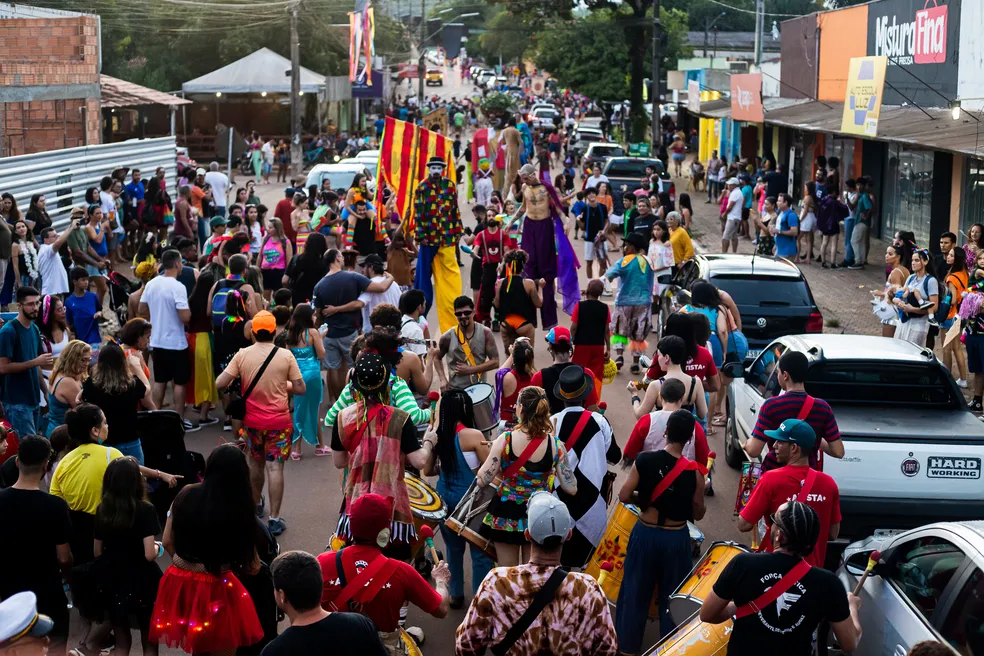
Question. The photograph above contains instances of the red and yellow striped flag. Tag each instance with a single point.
(403, 157)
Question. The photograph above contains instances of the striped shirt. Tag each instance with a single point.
(400, 397)
(787, 406)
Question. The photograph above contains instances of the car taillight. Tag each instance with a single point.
(815, 323)
(673, 193)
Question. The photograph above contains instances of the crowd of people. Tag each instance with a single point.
(241, 322)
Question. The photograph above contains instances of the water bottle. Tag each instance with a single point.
(68, 595)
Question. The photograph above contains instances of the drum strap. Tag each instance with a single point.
(682, 465)
(806, 409)
(804, 493)
(540, 600)
(523, 458)
(791, 578)
(380, 570)
(579, 427)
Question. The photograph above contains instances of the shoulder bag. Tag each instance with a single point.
(540, 600)
(236, 408)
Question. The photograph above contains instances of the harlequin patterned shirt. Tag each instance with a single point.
(577, 621)
(436, 213)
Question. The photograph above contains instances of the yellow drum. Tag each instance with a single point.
(410, 644)
(612, 547)
(694, 638)
(427, 507)
(687, 599)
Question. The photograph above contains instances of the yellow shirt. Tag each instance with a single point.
(78, 478)
(683, 248)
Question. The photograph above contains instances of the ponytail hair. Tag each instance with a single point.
(534, 409)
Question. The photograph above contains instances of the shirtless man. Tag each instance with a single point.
(538, 241)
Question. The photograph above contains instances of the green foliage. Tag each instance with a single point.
(161, 45)
(497, 102)
(505, 36)
(587, 55)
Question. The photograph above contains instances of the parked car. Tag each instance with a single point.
(928, 585)
(913, 450)
(581, 139)
(628, 172)
(772, 295)
(597, 153)
(341, 174)
(434, 76)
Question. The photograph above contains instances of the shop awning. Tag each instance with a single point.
(263, 70)
(120, 93)
(721, 108)
(907, 125)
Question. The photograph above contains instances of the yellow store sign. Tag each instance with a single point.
(863, 98)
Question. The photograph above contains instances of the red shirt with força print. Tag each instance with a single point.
(778, 486)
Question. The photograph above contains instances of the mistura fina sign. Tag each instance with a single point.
(920, 38)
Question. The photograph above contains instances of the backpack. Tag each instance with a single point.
(227, 303)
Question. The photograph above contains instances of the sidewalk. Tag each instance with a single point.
(844, 296)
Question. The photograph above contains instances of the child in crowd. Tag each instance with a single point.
(591, 331)
(82, 308)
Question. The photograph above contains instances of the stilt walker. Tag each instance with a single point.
(438, 229)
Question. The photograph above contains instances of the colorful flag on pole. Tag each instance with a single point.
(403, 156)
(362, 32)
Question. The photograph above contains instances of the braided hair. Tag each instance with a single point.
(456, 408)
(799, 528)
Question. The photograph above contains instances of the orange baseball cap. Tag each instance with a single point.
(264, 321)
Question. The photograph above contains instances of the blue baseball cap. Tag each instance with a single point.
(795, 431)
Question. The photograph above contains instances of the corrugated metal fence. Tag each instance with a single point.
(63, 176)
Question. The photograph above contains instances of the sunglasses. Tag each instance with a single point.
(775, 522)
(463, 314)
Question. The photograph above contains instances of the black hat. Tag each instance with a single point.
(371, 373)
(436, 161)
(574, 384)
(639, 241)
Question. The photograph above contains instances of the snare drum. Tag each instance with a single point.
(687, 599)
(466, 520)
(613, 547)
(694, 638)
(482, 397)
(427, 507)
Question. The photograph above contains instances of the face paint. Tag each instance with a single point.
(436, 171)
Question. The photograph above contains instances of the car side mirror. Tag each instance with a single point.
(665, 279)
(733, 370)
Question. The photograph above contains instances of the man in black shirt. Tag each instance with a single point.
(775, 182)
(297, 585)
(801, 598)
(36, 551)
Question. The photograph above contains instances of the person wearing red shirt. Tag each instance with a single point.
(283, 210)
(794, 441)
(649, 433)
(383, 596)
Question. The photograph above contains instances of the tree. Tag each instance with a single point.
(503, 37)
(584, 56)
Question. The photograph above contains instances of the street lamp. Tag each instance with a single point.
(709, 25)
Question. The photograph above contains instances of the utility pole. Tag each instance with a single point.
(420, 59)
(296, 154)
(657, 55)
(759, 27)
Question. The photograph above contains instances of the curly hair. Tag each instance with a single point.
(518, 258)
(534, 410)
(386, 315)
(72, 362)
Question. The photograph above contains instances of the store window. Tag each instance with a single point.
(842, 149)
(972, 203)
(907, 197)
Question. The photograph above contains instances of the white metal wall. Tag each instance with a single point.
(63, 176)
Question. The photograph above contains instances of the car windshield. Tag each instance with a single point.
(339, 179)
(607, 151)
(627, 168)
(764, 291)
(885, 383)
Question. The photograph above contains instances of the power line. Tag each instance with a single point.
(752, 11)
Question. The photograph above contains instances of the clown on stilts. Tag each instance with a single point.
(545, 240)
(438, 229)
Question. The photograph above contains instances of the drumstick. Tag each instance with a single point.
(606, 569)
(873, 560)
(427, 533)
(433, 398)
(710, 463)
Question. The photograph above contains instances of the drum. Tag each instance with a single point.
(482, 396)
(612, 547)
(466, 520)
(687, 599)
(410, 644)
(694, 638)
(427, 507)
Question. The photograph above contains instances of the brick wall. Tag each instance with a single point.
(48, 52)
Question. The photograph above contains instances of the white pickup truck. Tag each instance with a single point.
(913, 451)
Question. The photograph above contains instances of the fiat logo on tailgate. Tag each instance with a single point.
(910, 467)
(761, 322)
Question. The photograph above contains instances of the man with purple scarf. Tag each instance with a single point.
(545, 240)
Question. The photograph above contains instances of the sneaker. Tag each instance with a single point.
(975, 406)
(208, 421)
(276, 526)
(227, 426)
(416, 633)
(495, 326)
(961, 383)
(260, 506)
(856, 267)
(190, 427)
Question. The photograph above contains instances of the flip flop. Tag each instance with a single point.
(719, 421)
(295, 456)
(321, 451)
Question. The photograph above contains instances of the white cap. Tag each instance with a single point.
(547, 517)
(733, 181)
(199, 171)
(19, 618)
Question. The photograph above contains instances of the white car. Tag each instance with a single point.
(543, 117)
(370, 158)
(341, 174)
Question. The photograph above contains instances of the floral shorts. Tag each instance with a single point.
(272, 445)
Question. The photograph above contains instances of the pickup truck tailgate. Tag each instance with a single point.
(910, 454)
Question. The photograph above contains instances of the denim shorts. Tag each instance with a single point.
(133, 448)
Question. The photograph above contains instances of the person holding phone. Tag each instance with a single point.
(54, 277)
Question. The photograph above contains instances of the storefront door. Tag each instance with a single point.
(907, 198)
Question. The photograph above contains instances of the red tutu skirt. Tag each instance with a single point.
(200, 612)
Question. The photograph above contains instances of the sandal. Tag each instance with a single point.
(295, 456)
(322, 451)
(719, 420)
(619, 361)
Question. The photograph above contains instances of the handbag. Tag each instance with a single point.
(236, 408)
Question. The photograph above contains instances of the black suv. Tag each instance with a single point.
(628, 172)
(772, 295)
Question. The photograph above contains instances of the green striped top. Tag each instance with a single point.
(400, 397)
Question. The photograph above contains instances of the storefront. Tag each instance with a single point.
(907, 198)
(972, 202)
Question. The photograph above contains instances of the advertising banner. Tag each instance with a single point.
(746, 98)
(863, 98)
